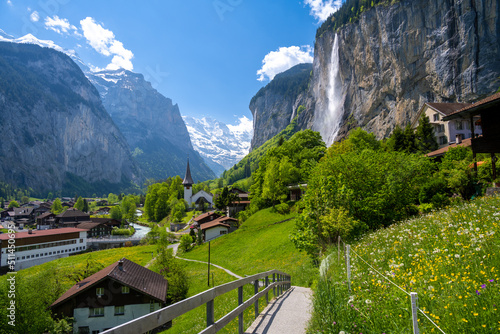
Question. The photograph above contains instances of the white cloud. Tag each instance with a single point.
(9, 3)
(104, 42)
(59, 25)
(322, 9)
(35, 16)
(284, 58)
(245, 125)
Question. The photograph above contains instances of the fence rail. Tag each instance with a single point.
(280, 283)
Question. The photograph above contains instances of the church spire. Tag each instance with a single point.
(188, 180)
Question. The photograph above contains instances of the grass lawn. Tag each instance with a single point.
(451, 258)
(138, 254)
(260, 244)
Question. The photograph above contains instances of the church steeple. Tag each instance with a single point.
(188, 180)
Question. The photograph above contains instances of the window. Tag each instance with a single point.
(441, 128)
(96, 312)
(435, 117)
(99, 292)
(443, 140)
(84, 330)
(119, 310)
(459, 125)
(125, 289)
(223, 232)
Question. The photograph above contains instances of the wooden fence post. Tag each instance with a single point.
(256, 291)
(338, 250)
(414, 311)
(241, 330)
(274, 287)
(348, 261)
(267, 293)
(210, 313)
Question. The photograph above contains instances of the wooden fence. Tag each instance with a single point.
(279, 284)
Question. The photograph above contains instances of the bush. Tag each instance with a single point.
(282, 208)
(186, 243)
(174, 272)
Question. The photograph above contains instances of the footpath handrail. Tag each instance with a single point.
(281, 283)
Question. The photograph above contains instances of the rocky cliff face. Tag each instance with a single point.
(151, 124)
(276, 104)
(396, 58)
(55, 135)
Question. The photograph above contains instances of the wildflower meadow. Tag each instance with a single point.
(450, 258)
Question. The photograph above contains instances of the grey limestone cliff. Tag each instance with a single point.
(395, 58)
(276, 104)
(55, 134)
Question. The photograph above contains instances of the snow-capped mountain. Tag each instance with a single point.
(221, 145)
(30, 39)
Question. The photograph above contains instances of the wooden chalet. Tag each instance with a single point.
(95, 230)
(206, 217)
(109, 222)
(117, 294)
(488, 110)
(71, 217)
(45, 221)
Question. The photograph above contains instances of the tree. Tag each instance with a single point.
(50, 196)
(13, 204)
(175, 273)
(185, 243)
(25, 199)
(79, 204)
(85, 205)
(425, 139)
(410, 143)
(225, 198)
(56, 207)
(112, 199)
(115, 213)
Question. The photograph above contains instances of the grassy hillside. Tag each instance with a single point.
(262, 243)
(451, 258)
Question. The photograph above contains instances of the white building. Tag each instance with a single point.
(200, 197)
(447, 132)
(39, 246)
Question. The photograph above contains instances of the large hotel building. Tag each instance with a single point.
(40, 246)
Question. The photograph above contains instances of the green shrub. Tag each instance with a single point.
(282, 208)
(186, 243)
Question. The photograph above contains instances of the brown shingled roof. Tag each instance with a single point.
(447, 108)
(133, 275)
(466, 143)
(205, 215)
(478, 104)
(72, 212)
(213, 224)
(88, 225)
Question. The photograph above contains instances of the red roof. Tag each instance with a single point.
(132, 275)
(466, 143)
(205, 215)
(39, 233)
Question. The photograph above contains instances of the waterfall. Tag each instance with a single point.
(329, 115)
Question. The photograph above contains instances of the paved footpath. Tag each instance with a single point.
(287, 314)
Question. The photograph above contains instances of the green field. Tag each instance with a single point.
(262, 243)
(450, 258)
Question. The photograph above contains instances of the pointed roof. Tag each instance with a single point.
(188, 180)
(131, 274)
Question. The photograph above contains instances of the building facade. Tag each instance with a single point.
(117, 294)
(39, 246)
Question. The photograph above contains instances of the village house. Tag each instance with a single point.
(95, 230)
(110, 222)
(24, 216)
(117, 294)
(448, 132)
(213, 225)
(71, 217)
(36, 247)
(241, 204)
(45, 221)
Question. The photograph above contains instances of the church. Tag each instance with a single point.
(200, 197)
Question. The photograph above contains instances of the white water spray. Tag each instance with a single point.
(329, 115)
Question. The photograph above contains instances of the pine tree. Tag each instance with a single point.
(425, 139)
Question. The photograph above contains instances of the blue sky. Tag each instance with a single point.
(209, 56)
